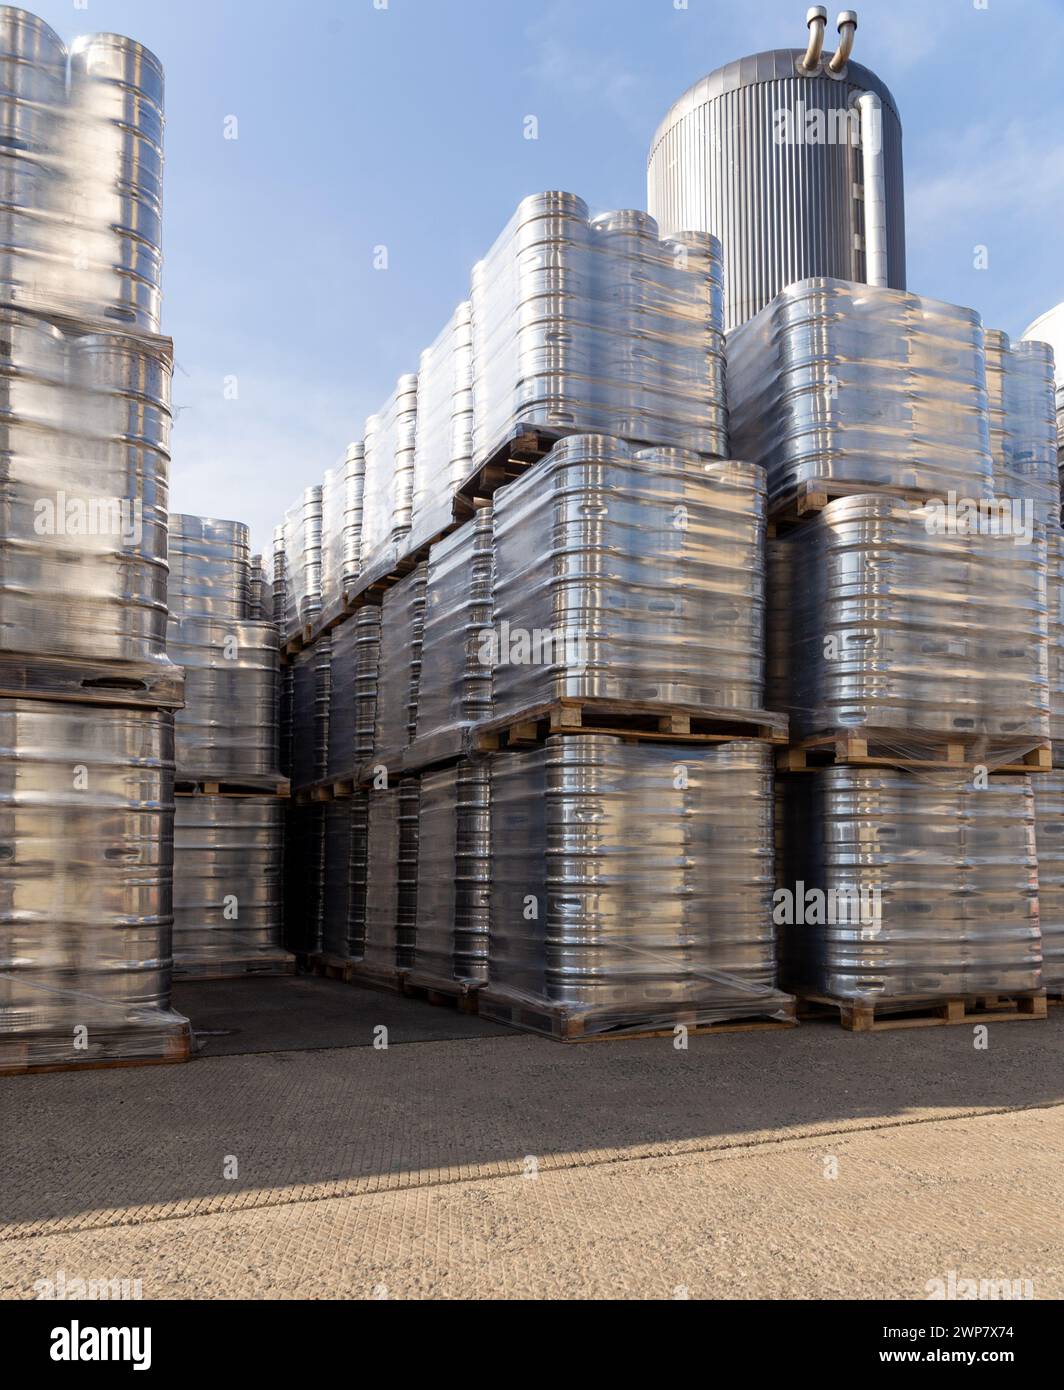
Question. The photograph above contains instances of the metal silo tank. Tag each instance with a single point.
(789, 195)
(1049, 328)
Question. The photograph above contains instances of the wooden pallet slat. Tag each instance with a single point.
(462, 995)
(251, 967)
(249, 785)
(329, 967)
(807, 499)
(523, 446)
(950, 753)
(887, 1015)
(633, 720)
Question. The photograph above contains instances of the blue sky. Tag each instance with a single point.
(403, 126)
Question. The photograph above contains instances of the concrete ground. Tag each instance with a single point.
(295, 1159)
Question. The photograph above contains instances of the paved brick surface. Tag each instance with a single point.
(656, 1169)
(980, 1196)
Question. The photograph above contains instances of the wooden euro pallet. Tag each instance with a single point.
(523, 446)
(250, 785)
(883, 1015)
(247, 968)
(808, 499)
(463, 995)
(637, 722)
(947, 753)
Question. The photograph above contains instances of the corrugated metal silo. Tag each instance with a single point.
(793, 158)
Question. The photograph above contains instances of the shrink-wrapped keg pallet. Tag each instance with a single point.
(83, 575)
(392, 886)
(449, 958)
(84, 176)
(910, 899)
(373, 584)
(373, 695)
(836, 387)
(454, 687)
(631, 890)
(572, 324)
(229, 854)
(893, 642)
(230, 795)
(86, 888)
(629, 598)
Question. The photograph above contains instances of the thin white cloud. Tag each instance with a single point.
(562, 63)
(1017, 171)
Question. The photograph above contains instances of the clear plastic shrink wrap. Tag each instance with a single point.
(1023, 425)
(353, 692)
(454, 874)
(228, 728)
(81, 168)
(341, 527)
(388, 490)
(886, 626)
(311, 695)
(84, 482)
(454, 690)
(399, 670)
(344, 908)
(631, 884)
(639, 574)
(930, 884)
(260, 592)
(302, 545)
(228, 891)
(862, 388)
(1049, 836)
(443, 445)
(210, 569)
(86, 885)
(391, 877)
(598, 325)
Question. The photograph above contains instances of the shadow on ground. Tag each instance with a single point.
(468, 1100)
(299, 1013)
